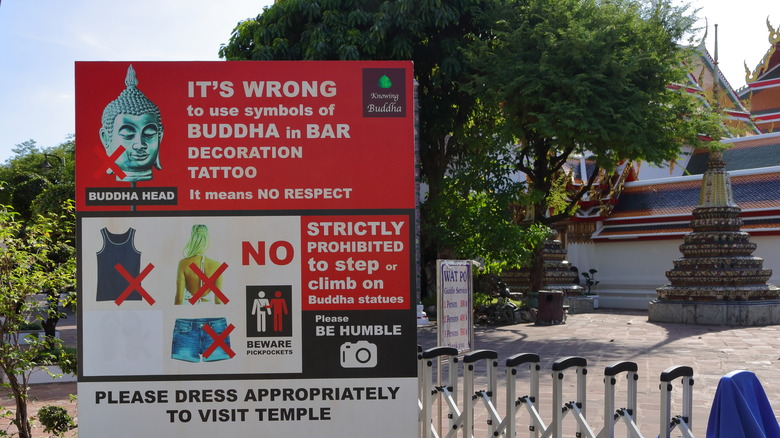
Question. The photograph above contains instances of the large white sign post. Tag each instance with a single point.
(245, 249)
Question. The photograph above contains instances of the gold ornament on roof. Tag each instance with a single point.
(774, 34)
(774, 38)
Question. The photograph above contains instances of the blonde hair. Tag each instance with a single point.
(199, 241)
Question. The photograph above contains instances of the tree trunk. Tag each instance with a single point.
(50, 327)
(52, 315)
(536, 273)
(537, 268)
(21, 418)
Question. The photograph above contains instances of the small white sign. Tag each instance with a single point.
(454, 284)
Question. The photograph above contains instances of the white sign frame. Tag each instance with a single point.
(455, 304)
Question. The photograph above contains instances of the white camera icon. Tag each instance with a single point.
(361, 354)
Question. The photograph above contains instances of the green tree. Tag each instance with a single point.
(482, 224)
(588, 77)
(27, 269)
(475, 213)
(38, 181)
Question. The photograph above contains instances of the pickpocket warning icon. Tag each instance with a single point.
(268, 311)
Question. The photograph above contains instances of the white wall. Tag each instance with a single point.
(583, 256)
(630, 271)
(769, 250)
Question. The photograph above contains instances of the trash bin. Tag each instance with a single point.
(550, 310)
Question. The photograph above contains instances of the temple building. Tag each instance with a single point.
(631, 226)
(717, 280)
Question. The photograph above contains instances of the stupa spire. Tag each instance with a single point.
(717, 262)
(716, 184)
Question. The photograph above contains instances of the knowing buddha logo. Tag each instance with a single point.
(384, 92)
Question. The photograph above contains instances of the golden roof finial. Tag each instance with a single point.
(763, 65)
(774, 34)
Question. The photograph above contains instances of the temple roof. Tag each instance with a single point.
(678, 229)
(744, 153)
(573, 166)
(663, 209)
(752, 191)
(730, 100)
(762, 92)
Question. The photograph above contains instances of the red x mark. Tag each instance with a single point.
(134, 284)
(219, 340)
(110, 163)
(208, 283)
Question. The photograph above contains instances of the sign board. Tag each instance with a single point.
(245, 248)
(454, 283)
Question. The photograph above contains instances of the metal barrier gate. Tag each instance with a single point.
(523, 411)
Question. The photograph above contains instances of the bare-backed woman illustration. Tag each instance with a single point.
(187, 280)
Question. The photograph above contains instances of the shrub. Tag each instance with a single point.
(56, 420)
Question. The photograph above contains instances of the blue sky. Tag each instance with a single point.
(41, 39)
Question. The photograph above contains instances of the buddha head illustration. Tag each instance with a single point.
(132, 122)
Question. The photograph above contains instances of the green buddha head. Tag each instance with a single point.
(133, 122)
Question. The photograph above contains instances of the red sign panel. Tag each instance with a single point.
(355, 262)
(244, 135)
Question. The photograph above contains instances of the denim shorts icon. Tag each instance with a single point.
(190, 341)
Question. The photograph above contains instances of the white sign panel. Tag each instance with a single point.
(454, 285)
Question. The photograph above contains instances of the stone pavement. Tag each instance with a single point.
(607, 337)
(602, 338)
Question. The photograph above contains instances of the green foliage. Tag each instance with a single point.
(26, 188)
(53, 197)
(67, 359)
(475, 216)
(56, 420)
(31, 326)
(28, 269)
(38, 180)
(557, 200)
(482, 299)
(589, 76)
(476, 213)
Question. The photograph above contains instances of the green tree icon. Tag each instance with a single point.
(385, 82)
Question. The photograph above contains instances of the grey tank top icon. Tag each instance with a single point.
(117, 249)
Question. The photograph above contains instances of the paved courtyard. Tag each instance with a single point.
(607, 337)
(602, 338)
